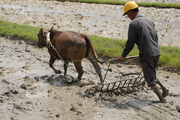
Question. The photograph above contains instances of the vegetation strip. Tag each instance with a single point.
(103, 46)
(116, 2)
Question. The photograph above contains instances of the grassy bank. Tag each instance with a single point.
(104, 46)
(116, 2)
(19, 31)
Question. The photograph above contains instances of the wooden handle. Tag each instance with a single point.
(132, 57)
(129, 57)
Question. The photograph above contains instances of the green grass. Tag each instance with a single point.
(18, 31)
(170, 57)
(116, 2)
(104, 46)
(111, 47)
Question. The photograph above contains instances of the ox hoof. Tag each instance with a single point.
(58, 72)
(79, 79)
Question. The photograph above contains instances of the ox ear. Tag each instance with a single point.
(41, 30)
(51, 29)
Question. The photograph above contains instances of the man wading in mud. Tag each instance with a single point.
(142, 32)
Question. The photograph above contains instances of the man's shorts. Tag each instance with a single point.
(148, 67)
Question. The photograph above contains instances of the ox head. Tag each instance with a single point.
(43, 37)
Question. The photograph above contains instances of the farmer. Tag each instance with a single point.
(142, 32)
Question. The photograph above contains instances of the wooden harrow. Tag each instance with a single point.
(128, 82)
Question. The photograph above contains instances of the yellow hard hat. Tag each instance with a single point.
(129, 6)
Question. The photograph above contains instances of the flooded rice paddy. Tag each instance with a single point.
(91, 19)
(31, 90)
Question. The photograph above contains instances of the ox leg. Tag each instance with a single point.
(79, 69)
(51, 62)
(65, 68)
(98, 70)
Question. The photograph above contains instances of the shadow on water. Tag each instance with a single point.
(134, 103)
(55, 80)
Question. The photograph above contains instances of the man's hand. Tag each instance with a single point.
(121, 59)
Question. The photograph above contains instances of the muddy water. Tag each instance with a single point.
(31, 90)
(92, 19)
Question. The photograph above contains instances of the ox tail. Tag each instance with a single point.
(90, 46)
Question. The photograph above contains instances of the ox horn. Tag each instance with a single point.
(51, 29)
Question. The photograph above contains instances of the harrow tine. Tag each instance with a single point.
(129, 83)
(135, 81)
(102, 87)
(140, 74)
(106, 72)
(124, 83)
(119, 84)
(140, 79)
(108, 86)
(113, 85)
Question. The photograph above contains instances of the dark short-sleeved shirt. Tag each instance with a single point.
(142, 32)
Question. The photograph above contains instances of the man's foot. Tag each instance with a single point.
(165, 93)
(163, 100)
(156, 89)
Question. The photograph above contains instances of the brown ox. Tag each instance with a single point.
(71, 47)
